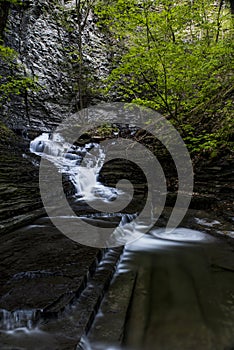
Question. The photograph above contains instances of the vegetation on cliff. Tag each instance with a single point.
(14, 79)
(177, 58)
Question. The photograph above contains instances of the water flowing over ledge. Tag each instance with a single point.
(82, 164)
(79, 163)
(19, 319)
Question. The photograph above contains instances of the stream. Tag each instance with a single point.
(181, 294)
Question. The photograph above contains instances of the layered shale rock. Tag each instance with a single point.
(46, 36)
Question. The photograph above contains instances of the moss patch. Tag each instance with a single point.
(6, 135)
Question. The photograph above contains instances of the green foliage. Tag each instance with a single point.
(106, 130)
(177, 56)
(14, 2)
(201, 143)
(17, 83)
(5, 133)
(6, 53)
(64, 16)
(15, 86)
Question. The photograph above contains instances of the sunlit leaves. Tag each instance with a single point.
(177, 56)
(14, 84)
(6, 53)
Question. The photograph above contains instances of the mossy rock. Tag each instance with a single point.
(6, 135)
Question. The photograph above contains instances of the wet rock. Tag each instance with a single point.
(14, 222)
(52, 282)
(42, 269)
(214, 184)
(109, 328)
(45, 36)
(19, 185)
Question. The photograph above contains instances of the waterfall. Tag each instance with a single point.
(84, 344)
(82, 164)
(79, 163)
(18, 319)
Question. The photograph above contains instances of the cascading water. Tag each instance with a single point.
(79, 163)
(17, 319)
(82, 165)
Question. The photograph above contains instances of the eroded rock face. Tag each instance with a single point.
(19, 183)
(45, 34)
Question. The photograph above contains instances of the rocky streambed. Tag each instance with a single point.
(61, 295)
(46, 279)
(58, 294)
(52, 288)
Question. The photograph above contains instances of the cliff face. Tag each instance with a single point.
(46, 36)
(19, 182)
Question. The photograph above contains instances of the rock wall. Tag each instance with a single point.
(19, 182)
(45, 34)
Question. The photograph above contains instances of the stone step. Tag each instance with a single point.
(109, 325)
(68, 327)
(20, 220)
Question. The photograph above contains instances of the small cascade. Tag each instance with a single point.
(84, 344)
(43, 144)
(81, 163)
(10, 321)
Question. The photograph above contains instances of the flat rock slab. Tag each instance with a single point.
(66, 319)
(17, 221)
(183, 297)
(41, 268)
(109, 325)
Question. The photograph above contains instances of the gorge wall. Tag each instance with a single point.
(46, 36)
